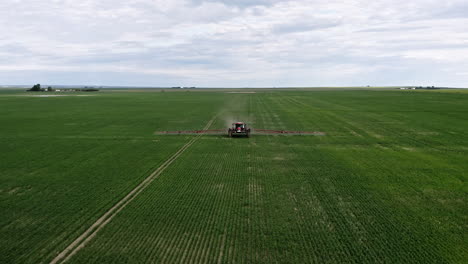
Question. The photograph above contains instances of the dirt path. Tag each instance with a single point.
(91, 232)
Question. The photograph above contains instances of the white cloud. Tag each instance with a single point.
(235, 43)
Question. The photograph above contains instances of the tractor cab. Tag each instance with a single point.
(239, 129)
(238, 126)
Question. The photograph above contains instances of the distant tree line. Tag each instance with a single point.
(37, 88)
(427, 87)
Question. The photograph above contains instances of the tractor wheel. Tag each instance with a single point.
(229, 133)
(247, 134)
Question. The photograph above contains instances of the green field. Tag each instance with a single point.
(385, 184)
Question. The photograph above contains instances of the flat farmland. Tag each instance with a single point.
(385, 184)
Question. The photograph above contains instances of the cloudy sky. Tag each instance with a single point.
(221, 43)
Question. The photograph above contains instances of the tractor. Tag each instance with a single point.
(239, 129)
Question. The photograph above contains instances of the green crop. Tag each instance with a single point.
(387, 183)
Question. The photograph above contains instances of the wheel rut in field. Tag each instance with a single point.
(91, 232)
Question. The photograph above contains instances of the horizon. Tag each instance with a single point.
(26, 86)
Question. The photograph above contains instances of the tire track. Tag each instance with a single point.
(91, 232)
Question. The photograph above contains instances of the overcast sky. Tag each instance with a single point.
(255, 43)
